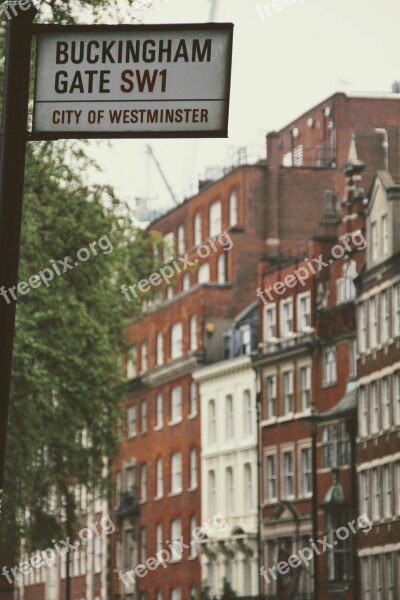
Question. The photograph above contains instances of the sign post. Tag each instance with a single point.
(13, 138)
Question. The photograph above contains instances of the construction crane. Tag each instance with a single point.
(213, 10)
(150, 151)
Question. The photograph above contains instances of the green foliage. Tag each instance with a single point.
(67, 375)
(227, 592)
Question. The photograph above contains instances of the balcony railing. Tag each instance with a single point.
(295, 339)
(128, 506)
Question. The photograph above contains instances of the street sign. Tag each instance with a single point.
(97, 81)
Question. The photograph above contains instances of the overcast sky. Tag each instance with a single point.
(284, 62)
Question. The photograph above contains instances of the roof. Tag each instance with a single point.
(345, 408)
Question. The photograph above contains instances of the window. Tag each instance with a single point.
(374, 408)
(271, 396)
(143, 482)
(176, 593)
(233, 209)
(222, 268)
(203, 274)
(169, 246)
(118, 485)
(245, 339)
(159, 538)
(386, 402)
(373, 322)
(130, 479)
(396, 395)
(288, 401)
(193, 469)
(186, 282)
(338, 556)
(374, 241)
(160, 348)
(286, 317)
(159, 478)
(304, 311)
(271, 478)
(396, 310)
(397, 475)
(176, 472)
(327, 446)
(230, 491)
(159, 411)
(143, 545)
(270, 323)
(389, 576)
(192, 527)
(366, 578)
(197, 230)
(305, 382)
(176, 404)
(353, 358)
(215, 218)
(288, 475)
(131, 421)
(362, 327)
(176, 340)
(248, 487)
(248, 412)
(132, 363)
(176, 541)
(385, 235)
(193, 399)
(387, 491)
(212, 493)
(181, 239)
(230, 421)
(193, 332)
(143, 416)
(376, 494)
(212, 422)
(349, 274)
(378, 578)
(143, 357)
(306, 472)
(129, 549)
(364, 492)
(385, 326)
(364, 413)
(343, 446)
(330, 365)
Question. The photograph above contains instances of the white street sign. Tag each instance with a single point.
(132, 81)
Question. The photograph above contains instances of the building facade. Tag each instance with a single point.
(227, 394)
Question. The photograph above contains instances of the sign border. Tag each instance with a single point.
(37, 29)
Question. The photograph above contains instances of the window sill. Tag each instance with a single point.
(193, 416)
(193, 557)
(176, 422)
(158, 427)
(192, 489)
(131, 437)
(172, 494)
(158, 497)
(330, 384)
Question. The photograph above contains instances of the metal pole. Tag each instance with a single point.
(13, 137)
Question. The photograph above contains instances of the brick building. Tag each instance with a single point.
(378, 446)
(158, 469)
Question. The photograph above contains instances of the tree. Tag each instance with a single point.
(227, 591)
